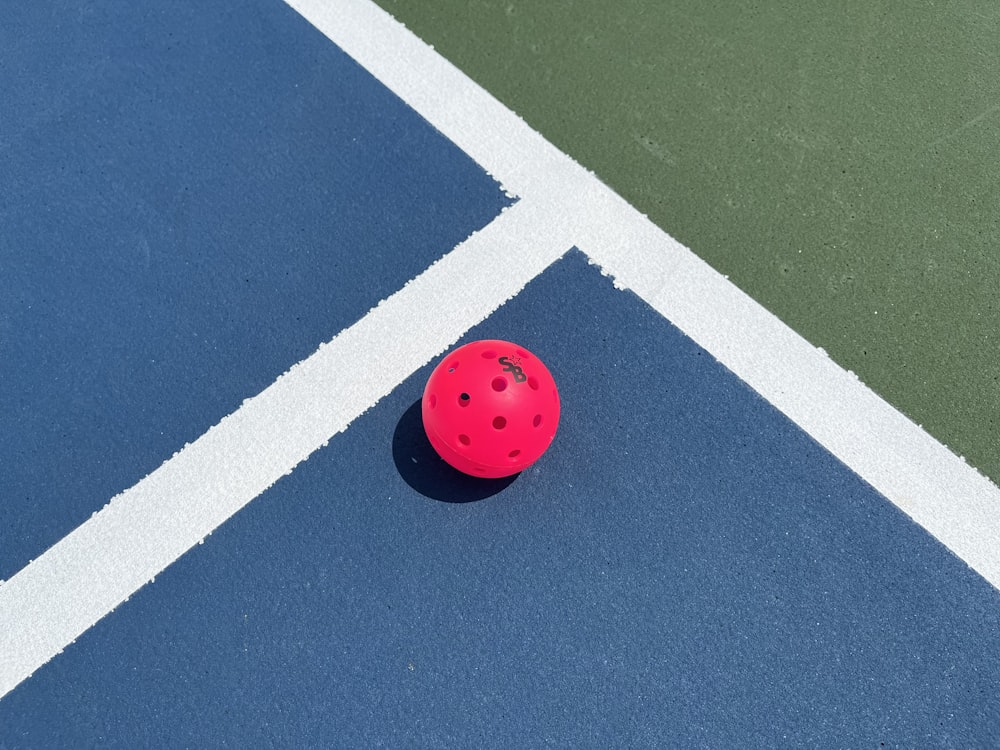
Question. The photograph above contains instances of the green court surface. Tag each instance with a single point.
(840, 163)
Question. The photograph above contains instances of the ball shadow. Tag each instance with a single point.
(426, 472)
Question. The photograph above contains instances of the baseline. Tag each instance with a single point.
(949, 498)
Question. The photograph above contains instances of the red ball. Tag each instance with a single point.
(490, 408)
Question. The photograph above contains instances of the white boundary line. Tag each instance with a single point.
(54, 599)
(937, 489)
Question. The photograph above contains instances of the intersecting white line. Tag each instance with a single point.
(58, 596)
(83, 577)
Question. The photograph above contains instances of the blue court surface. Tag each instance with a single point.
(194, 200)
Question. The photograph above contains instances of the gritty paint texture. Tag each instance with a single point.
(98, 566)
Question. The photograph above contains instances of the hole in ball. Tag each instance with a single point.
(514, 453)
(521, 353)
(464, 399)
(489, 354)
(533, 383)
(537, 421)
(464, 440)
(499, 383)
(453, 365)
(432, 401)
(499, 423)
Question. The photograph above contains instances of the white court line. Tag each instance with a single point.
(937, 489)
(955, 503)
(65, 591)
(48, 604)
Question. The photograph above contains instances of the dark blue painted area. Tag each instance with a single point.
(193, 196)
(684, 568)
